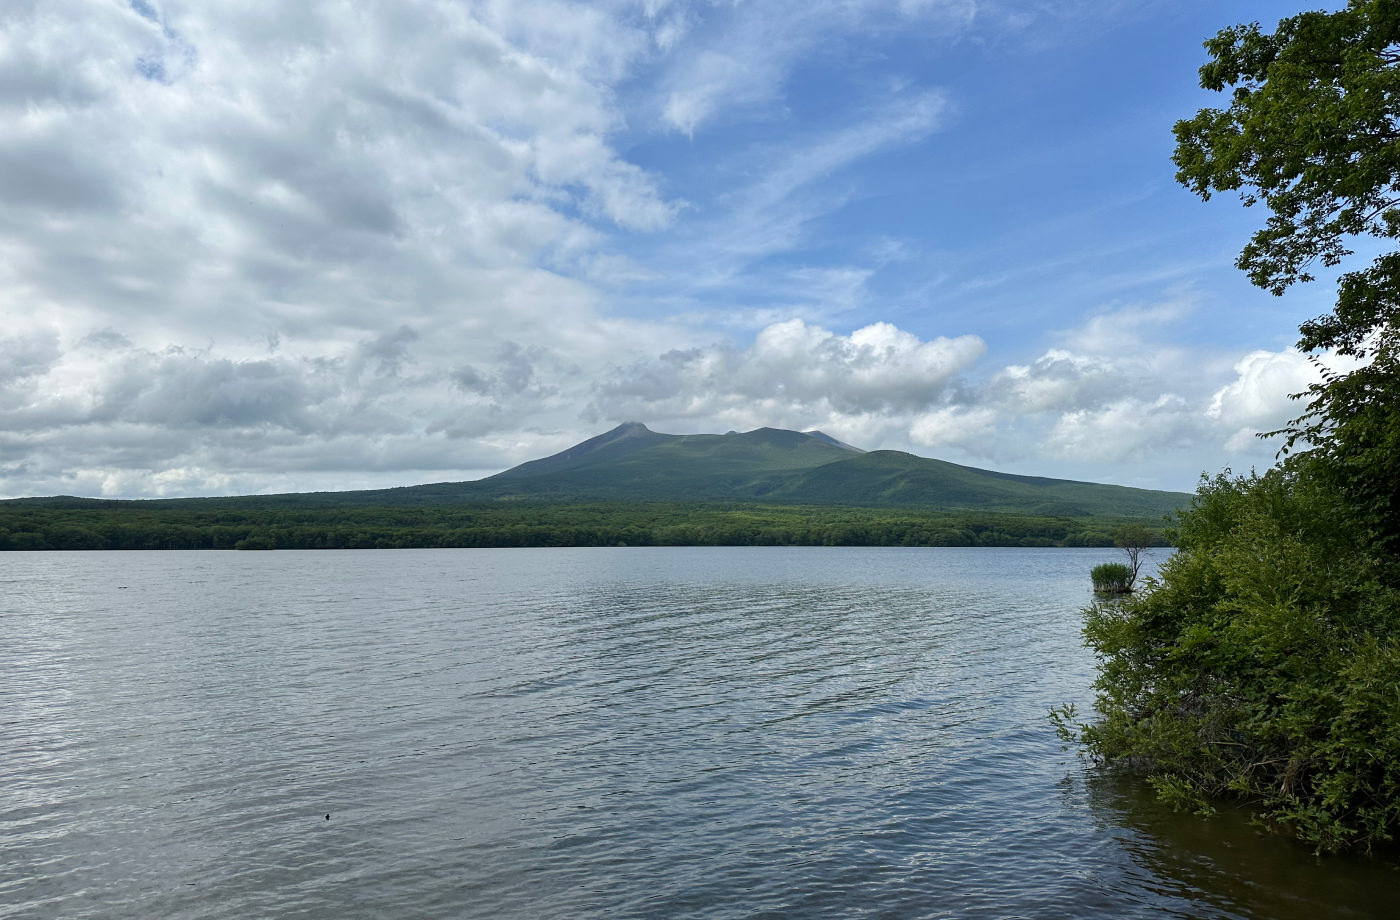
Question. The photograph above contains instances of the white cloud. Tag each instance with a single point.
(1058, 379)
(286, 246)
(971, 429)
(1124, 429)
(1259, 399)
(804, 374)
(713, 79)
(263, 237)
(735, 59)
(1120, 390)
(1123, 330)
(241, 162)
(112, 418)
(27, 355)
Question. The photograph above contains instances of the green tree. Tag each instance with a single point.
(1133, 540)
(1264, 665)
(1312, 131)
(1265, 661)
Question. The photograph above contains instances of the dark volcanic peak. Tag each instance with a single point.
(779, 436)
(633, 463)
(610, 445)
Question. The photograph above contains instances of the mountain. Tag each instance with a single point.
(633, 462)
(772, 465)
(769, 466)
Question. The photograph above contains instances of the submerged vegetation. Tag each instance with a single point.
(1264, 662)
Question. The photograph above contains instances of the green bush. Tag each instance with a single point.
(1263, 665)
(1112, 578)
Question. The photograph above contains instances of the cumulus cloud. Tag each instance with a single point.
(794, 371)
(1120, 390)
(1124, 429)
(108, 417)
(285, 238)
(1125, 395)
(972, 429)
(245, 227)
(26, 355)
(1260, 398)
(180, 390)
(241, 161)
(1058, 379)
(515, 374)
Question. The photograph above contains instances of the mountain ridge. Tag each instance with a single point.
(777, 465)
(631, 463)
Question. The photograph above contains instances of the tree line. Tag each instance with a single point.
(143, 526)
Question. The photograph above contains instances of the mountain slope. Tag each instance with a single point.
(611, 446)
(777, 466)
(894, 479)
(632, 462)
(769, 466)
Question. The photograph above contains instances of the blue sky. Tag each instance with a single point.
(281, 247)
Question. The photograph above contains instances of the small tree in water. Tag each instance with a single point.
(1117, 577)
(1133, 540)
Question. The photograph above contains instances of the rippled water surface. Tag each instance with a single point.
(585, 733)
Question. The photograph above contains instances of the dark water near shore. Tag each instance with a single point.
(585, 733)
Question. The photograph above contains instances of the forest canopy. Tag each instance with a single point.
(233, 524)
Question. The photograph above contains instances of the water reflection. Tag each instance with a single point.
(1228, 862)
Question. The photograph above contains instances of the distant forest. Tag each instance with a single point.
(58, 524)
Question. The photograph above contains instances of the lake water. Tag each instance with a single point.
(581, 733)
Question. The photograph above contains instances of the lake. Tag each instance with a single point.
(581, 733)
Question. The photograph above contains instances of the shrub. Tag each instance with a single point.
(1264, 664)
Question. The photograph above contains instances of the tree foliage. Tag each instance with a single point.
(1312, 131)
(62, 524)
(1265, 662)
(1133, 540)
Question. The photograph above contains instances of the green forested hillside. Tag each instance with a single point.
(629, 486)
(893, 479)
(770, 465)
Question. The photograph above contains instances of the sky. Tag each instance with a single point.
(267, 247)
